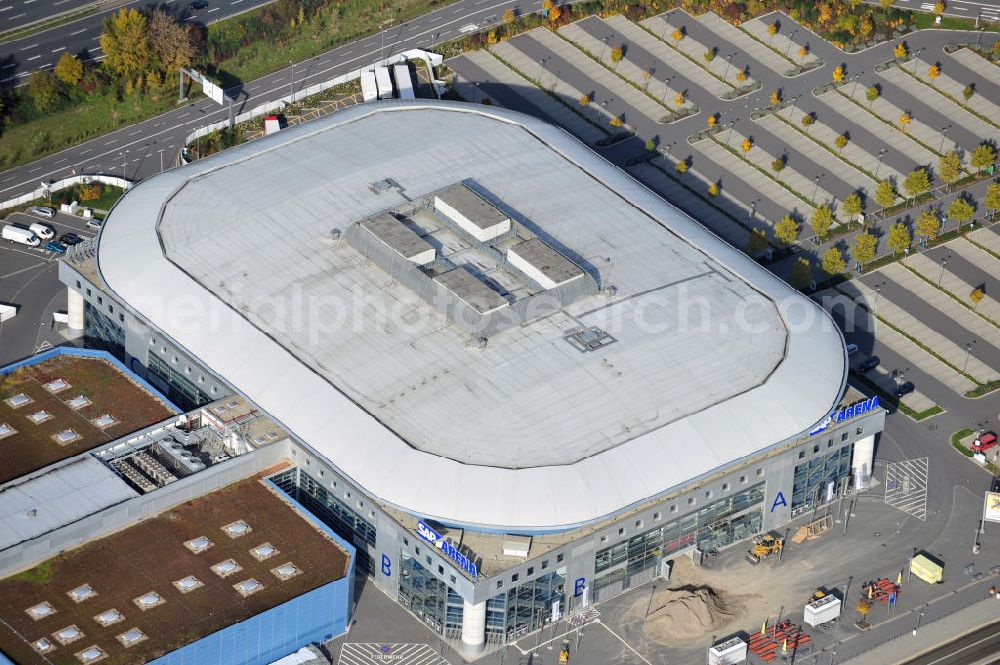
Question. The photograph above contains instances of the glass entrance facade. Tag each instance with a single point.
(429, 598)
(819, 480)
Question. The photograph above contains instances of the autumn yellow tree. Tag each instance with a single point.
(899, 50)
(775, 98)
(711, 120)
(772, 30)
(803, 52)
(976, 296)
(69, 69)
(679, 99)
(615, 121)
(584, 100)
(904, 120)
(508, 15)
(678, 34)
(616, 54)
(125, 44)
(746, 145)
(713, 189)
(838, 74)
(933, 72)
(741, 75)
(938, 8)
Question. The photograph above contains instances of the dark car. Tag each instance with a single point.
(869, 363)
(197, 4)
(70, 239)
(904, 388)
(56, 247)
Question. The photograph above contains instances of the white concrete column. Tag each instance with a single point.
(74, 309)
(864, 457)
(473, 627)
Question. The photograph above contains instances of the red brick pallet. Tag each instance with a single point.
(767, 646)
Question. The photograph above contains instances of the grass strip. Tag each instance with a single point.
(538, 84)
(802, 68)
(984, 248)
(956, 443)
(765, 173)
(893, 401)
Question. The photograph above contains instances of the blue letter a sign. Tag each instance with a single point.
(779, 500)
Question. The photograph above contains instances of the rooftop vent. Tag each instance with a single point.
(104, 421)
(18, 400)
(400, 238)
(286, 571)
(109, 617)
(516, 546)
(6, 430)
(148, 601)
(65, 436)
(68, 634)
(131, 636)
(226, 568)
(263, 551)
(189, 583)
(199, 544)
(237, 529)
(44, 645)
(78, 402)
(41, 610)
(471, 213)
(39, 417)
(589, 339)
(91, 654)
(248, 587)
(543, 264)
(81, 593)
(56, 386)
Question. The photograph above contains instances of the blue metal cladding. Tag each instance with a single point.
(315, 616)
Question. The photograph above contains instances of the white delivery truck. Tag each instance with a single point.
(21, 235)
(404, 84)
(42, 231)
(369, 88)
(384, 82)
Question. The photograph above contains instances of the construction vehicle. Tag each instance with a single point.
(764, 546)
(564, 653)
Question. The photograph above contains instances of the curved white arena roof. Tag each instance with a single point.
(711, 358)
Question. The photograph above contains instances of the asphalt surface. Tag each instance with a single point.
(19, 13)
(20, 57)
(988, 10)
(970, 648)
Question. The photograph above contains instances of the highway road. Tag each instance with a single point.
(18, 13)
(137, 151)
(986, 10)
(977, 646)
(20, 57)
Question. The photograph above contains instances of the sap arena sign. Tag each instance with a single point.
(449, 550)
(846, 414)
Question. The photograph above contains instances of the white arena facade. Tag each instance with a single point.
(503, 361)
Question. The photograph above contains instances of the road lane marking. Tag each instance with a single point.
(61, 48)
(78, 32)
(34, 57)
(28, 47)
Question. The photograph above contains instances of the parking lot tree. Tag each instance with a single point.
(554, 13)
(938, 7)
(713, 189)
(756, 242)
(928, 224)
(491, 38)
(933, 72)
(584, 100)
(508, 15)
(615, 121)
(772, 30)
(917, 182)
(992, 200)
(69, 69)
(898, 238)
(741, 75)
(900, 50)
(976, 296)
(871, 94)
(679, 99)
(833, 262)
(709, 55)
(711, 120)
(803, 52)
(821, 221)
(616, 54)
(983, 156)
(650, 145)
(886, 4)
(838, 74)
(961, 210)
(949, 167)
(778, 164)
(678, 34)
(864, 247)
(681, 166)
(746, 145)
(775, 98)
(43, 88)
(968, 91)
(125, 44)
(786, 230)
(904, 120)
(808, 119)
(885, 194)
(852, 204)
(841, 141)
(801, 273)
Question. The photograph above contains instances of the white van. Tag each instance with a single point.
(21, 235)
(42, 231)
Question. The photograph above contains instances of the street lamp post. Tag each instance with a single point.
(124, 152)
(855, 86)
(789, 47)
(880, 154)
(729, 61)
(944, 136)
(730, 134)
(604, 51)
(161, 161)
(816, 188)
(291, 88)
(944, 262)
(968, 352)
(878, 290)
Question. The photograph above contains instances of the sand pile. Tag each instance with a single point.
(688, 612)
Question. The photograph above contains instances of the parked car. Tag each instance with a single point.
(20, 235)
(55, 246)
(42, 211)
(852, 349)
(868, 364)
(42, 231)
(984, 442)
(94, 224)
(905, 388)
(69, 239)
(197, 4)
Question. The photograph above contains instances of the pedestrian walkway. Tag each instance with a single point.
(895, 140)
(664, 26)
(783, 41)
(487, 67)
(735, 37)
(507, 52)
(627, 67)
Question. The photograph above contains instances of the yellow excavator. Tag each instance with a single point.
(564, 653)
(764, 546)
